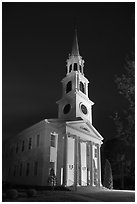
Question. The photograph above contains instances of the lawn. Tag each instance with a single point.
(81, 194)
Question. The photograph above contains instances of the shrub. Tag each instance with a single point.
(31, 192)
(12, 193)
(108, 179)
(52, 180)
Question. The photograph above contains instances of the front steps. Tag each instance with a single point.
(82, 189)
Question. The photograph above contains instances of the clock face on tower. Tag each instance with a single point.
(83, 109)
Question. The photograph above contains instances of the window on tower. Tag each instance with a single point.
(82, 87)
(70, 68)
(75, 67)
(69, 87)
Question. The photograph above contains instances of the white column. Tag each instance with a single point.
(83, 164)
(79, 153)
(92, 170)
(99, 165)
(65, 160)
(72, 66)
(76, 161)
(88, 163)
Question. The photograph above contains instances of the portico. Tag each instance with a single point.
(82, 153)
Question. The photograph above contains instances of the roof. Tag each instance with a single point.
(86, 127)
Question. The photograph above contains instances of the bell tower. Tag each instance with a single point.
(75, 104)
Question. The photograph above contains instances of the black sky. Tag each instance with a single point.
(37, 39)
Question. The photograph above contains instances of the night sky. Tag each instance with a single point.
(37, 39)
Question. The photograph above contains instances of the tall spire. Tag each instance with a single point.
(75, 61)
(75, 48)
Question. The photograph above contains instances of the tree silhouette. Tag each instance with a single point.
(108, 179)
(126, 87)
(125, 126)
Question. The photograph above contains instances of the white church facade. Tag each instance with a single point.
(69, 144)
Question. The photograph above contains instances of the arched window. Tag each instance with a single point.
(75, 67)
(69, 87)
(70, 68)
(82, 87)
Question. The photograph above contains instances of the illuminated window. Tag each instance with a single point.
(23, 143)
(69, 87)
(30, 143)
(38, 140)
(52, 140)
(27, 169)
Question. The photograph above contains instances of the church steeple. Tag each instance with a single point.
(75, 61)
(75, 48)
(75, 103)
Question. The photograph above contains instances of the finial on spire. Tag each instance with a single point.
(75, 48)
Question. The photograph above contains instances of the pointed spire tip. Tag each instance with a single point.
(75, 48)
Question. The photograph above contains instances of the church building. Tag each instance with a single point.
(69, 144)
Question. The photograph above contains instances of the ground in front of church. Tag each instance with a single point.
(79, 194)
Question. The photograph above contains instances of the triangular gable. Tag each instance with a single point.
(95, 131)
(86, 127)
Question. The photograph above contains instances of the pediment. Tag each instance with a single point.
(85, 127)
